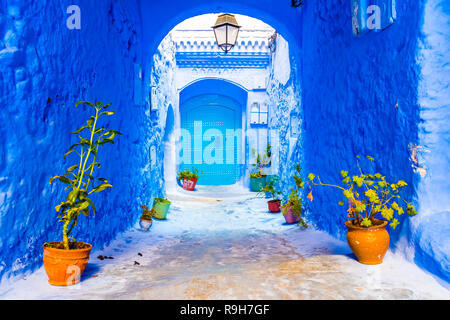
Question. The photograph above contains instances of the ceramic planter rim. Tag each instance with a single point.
(64, 250)
(350, 226)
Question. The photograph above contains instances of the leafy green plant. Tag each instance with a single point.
(79, 178)
(188, 175)
(147, 214)
(262, 161)
(272, 187)
(256, 175)
(369, 195)
(294, 200)
(162, 200)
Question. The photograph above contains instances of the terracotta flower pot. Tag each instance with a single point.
(289, 216)
(274, 205)
(145, 224)
(64, 267)
(368, 244)
(189, 185)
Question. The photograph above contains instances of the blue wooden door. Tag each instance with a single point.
(210, 121)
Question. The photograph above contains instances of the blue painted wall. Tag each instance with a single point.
(45, 69)
(359, 96)
(351, 90)
(430, 232)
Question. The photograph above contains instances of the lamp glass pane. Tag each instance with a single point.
(221, 34)
(232, 34)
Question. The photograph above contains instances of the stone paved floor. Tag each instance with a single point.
(223, 244)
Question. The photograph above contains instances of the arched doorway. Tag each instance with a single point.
(211, 116)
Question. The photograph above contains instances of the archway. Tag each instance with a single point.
(158, 19)
(259, 74)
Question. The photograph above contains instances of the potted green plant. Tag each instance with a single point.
(271, 188)
(293, 206)
(188, 179)
(160, 208)
(65, 260)
(146, 218)
(369, 196)
(257, 176)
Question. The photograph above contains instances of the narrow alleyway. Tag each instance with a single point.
(223, 244)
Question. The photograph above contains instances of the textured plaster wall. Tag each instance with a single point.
(359, 98)
(45, 69)
(164, 94)
(362, 96)
(431, 230)
(284, 93)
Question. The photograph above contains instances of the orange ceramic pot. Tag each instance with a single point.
(64, 267)
(368, 244)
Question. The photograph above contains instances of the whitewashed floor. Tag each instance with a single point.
(221, 243)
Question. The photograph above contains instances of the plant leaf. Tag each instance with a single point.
(72, 168)
(105, 141)
(79, 130)
(69, 152)
(108, 113)
(73, 195)
(394, 223)
(85, 102)
(366, 222)
(92, 205)
(101, 187)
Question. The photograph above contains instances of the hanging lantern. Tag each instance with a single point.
(226, 31)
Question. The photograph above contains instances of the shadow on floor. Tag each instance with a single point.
(91, 270)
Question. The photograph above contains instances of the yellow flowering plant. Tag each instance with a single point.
(368, 196)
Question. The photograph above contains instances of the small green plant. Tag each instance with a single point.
(188, 175)
(272, 187)
(79, 178)
(262, 161)
(369, 195)
(294, 200)
(256, 175)
(147, 214)
(162, 200)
